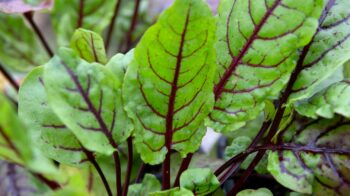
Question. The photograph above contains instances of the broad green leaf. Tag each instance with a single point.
(68, 15)
(119, 64)
(168, 86)
(14, 140)
(149, 184)
(89, 45)
(333, 100)
(173, 192)
(54, 139)
(256, 47)
(23, 6)
(258, 192)
(87, 98)
(199, 181)
(329, 49)
(312, 156)
(20, 50)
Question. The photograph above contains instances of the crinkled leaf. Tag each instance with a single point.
(15, 181)
(149, 184)
(22, 6)
(199, 181)
(68, 15)
(333, 100)
(55, 140)
(257, 192)
(173, 192)
(89, 45)
(329, 49)
(19, 48)
(87, 98)
(168, 87)
(313, 156)
(257, 42)
(119, 64)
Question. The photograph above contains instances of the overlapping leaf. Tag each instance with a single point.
(333, 100)
(258, 192)
(168, 87)
(87, 98)
(149, 184)
(69, 15)
(201, 181)
(173, 192)
(329, 49)
(53, 137)
(19, 48)
(89, 45)
(119, 64)
(313, 157)
(257, 42)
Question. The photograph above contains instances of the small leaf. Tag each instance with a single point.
(20, 50)
(258, 192)
(257, 43)
(333, 100)
(119, 64)
(312, 156)
(22, 6)
(201, 181)
(87, 98)
(149, 184)
(328, 50)
(69, 15)
(168, 87)
(173, 192)
(237, 146)
(89, 45)
(55, 140)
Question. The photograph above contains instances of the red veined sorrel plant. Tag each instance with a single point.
(269, 74)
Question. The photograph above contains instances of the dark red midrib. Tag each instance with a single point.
(94, 49)
(170, 113)
(90, 106)
(220, 86)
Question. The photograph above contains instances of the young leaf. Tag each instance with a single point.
(333, 100)
(168, 87)
(119, 64)
(257, 42)
(313, 156)
(149, 184)
(14, 141)
(87, 98)
(173, 192)
(258, 192)
(55, 140)
(199, 181)
(89, 45)
(19, 48)
(69, 15)
(329, 49)
(21, 6)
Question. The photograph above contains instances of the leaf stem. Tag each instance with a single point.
(140, 173)
(184, 165)
(117, 172)
(50, 183)
(93, 161)
(132, 26)
(112, 23)
(129, 168)
(9, 78)
(29, 17)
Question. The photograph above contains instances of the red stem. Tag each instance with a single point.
(50, 183)
(29, 17)
(9, 78)
(140, 173)
(132, 26)
(129, 168)
(184, 165)
(117, 172)
(112, 24)
(81, 14)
